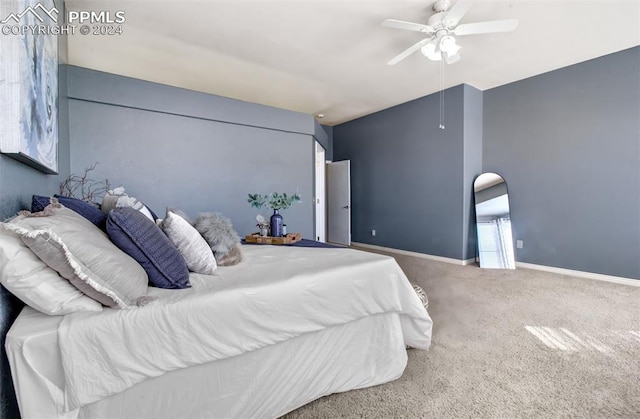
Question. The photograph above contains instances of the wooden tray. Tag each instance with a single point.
(287, 239)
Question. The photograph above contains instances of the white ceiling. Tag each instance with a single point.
(323, 56)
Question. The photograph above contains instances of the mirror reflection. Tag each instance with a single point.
(493, 222)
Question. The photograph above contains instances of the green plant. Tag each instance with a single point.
(274, 200)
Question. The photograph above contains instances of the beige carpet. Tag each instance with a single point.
(510, 344)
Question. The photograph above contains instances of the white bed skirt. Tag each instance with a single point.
(268, 382)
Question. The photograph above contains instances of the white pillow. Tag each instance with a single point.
(36, 284)
(117, 198)
(83, 254)
(190, 243)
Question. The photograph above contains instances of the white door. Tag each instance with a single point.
(339, 202)
(320, 204)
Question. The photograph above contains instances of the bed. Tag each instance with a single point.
(259, 339)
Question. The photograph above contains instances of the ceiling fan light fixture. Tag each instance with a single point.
(430, 52)
(448, 45)
(452, 58)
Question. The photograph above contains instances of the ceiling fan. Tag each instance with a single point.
(441, 28)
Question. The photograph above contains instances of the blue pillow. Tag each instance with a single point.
(86, 209)
(140, 238)
(39, 202)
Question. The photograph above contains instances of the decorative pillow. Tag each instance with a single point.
(39, 203)
(143, 240)
(36, 284)
(182, 214)
(192, 246)
(422, 296)
(423, 299)
(82, 254)
(218, 231)
(86, 209)
(233, 257)
(117, 198)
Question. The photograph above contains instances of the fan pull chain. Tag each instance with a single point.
(441, 126)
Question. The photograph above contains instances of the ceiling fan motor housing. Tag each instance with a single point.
(441, 6)
(436, 21)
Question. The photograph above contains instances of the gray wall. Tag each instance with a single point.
(324, 135)
(568, 145)
(472, 165)
(408, 176)
(172, 147)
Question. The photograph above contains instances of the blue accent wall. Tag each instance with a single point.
(172, 147)
(324, 135)
(472, 166)
(568, 145)
(409, 178)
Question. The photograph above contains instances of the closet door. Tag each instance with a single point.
(339, 202)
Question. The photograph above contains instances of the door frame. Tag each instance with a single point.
(320, 194)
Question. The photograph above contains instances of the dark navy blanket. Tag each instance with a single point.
(301, 243)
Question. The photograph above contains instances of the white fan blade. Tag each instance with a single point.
(459, 9)
(492, 26)
(404, 54)
(410, 26)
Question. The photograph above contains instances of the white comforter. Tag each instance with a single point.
(275, 294)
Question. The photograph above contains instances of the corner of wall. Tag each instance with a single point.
(324, 135)
(472, 165)
(63, 40)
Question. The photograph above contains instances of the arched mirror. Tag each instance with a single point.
(493, 222)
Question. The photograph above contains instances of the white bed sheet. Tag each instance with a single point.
(266, 383)
(364, 297)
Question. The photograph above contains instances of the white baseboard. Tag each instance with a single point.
(580, 274)
(562, 271)
(414, 254)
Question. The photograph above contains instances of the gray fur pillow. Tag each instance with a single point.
(218, 231)
(233, 257)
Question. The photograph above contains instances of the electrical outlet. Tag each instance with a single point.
(373, 233)
(519, 244)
